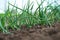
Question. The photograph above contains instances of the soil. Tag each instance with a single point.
(37, 32)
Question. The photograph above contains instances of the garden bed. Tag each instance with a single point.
(37, 32)
(42, 24)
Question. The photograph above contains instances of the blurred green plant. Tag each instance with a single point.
(11, 19)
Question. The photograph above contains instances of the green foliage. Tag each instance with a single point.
(44, 16)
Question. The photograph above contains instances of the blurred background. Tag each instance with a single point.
(22, 3)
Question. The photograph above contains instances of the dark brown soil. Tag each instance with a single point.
(37, 32)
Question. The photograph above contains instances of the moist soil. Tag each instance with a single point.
(37, 32)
